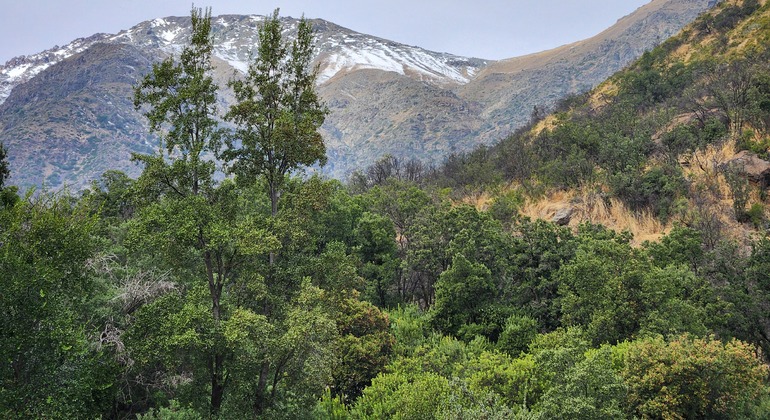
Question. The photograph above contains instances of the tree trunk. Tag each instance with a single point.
(217, 384)
(259, 395)
(273, 190)
(216, 367)
(214, 290)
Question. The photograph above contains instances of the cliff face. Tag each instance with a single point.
(67, 113)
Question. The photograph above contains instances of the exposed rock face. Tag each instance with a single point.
(67, 113)
(75, 120)
(755, 169)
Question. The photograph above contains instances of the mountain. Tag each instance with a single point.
(66, 113)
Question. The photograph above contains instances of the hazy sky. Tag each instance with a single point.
(490, 29)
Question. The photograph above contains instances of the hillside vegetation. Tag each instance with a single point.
(660, 138)
(412, 292)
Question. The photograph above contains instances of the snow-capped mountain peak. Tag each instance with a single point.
(339, 50)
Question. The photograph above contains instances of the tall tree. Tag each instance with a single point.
(277, 116)
(179, 99)
(8, 196)
(278, 111)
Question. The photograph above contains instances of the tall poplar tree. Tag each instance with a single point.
(179, 100)
(4, 171)
(277, 115)
(278, 112)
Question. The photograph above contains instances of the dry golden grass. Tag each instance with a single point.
(587, 205)
(603, 94)
(479, 200)
(547, 123)
(593, 206)
(702, 167)
(707, 181)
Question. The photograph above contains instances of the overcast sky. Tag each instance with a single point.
(491, 29)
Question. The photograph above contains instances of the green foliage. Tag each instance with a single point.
(469, 171)
(398, 397)
(51, 364)
(747, 142)
(680, 246)
(113, 196)
(747, 288)
(442, 233)
(179, 101)
(656, 189)
(519, 331)
(466, 403)
(505, 206)
(739, 189)
(692, 377)
(173, 412)
(687, 138)
(540, 248)
(179, 295)
(568, 154)
(409, 327)
(8, 196)
(376, 246)
(400, 201)
(510, 380)
(331, 408)
(615, 293)
(590, 389)
(555, 353)
(652, 82)
(461, 292)
(364, 347)
(731, 15)
(4, 170)
(445, 377)
(756, 215)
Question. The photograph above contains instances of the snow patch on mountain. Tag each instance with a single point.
(343, 52)
(170, 35)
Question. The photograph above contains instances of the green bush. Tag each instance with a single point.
(518, 333)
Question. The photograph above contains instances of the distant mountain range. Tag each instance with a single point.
(66, 114)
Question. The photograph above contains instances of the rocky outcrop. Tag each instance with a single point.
(757, 170)
(563, 216)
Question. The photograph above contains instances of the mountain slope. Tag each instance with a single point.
(509, 89)
(43, 129)
(92, 88)
(385, 97)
